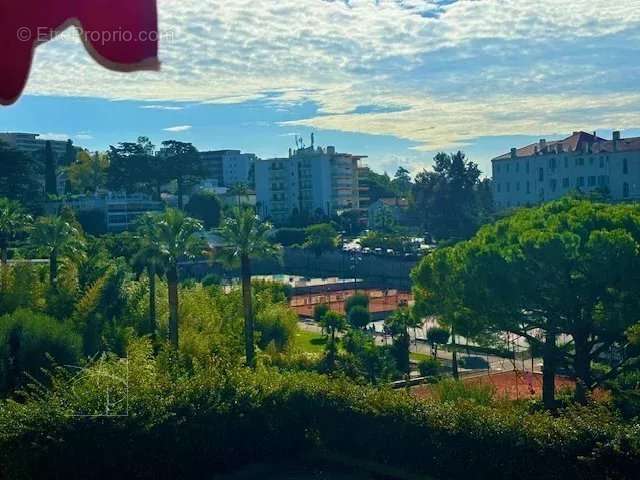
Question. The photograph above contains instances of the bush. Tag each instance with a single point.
(211, 280)
(358, 317)
(290, 236)
(93, 222)
(277, 325)
(30, 342)
(220, 416)
(205, 207)
(429, 367)
(319, 311)
(357, 300)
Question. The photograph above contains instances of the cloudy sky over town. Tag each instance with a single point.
(393, 79)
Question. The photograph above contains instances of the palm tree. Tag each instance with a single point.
(399, 324)
(246, 237)
(13, 219)
(149, 258)
(333, 322)
(240, 190)
(176, 237)
(56, 237)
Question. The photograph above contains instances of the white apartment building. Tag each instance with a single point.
(29, 143)
(309, 180)
(229, 167)
(582, 162)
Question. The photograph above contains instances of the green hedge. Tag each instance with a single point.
(194, 425)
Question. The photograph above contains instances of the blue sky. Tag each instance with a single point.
(397, 80)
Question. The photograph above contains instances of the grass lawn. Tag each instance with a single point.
(310, 342)
(418, 357)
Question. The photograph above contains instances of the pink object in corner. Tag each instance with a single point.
(119, 34)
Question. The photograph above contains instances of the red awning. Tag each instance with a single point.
(120, 34)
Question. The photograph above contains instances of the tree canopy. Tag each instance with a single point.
(447, 199)
(569, 267)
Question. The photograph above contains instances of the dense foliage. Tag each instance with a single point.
(179, 422)
(568, 267)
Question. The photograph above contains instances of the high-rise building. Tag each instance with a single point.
(229, 167)
(310, 180)
(582, 162)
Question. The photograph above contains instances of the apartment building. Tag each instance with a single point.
(30, 144)
(120, 210)
(229, 167)
(310, 180)
(581, 162)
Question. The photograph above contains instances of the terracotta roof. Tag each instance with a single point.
(578, 142)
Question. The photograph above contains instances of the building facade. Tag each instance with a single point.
(583, 162)
(386, 210)
(120, 210)
(310, 180)
(229, 167)
(30, 144)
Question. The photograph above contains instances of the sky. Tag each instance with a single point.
(396, 80)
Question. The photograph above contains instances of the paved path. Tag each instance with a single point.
(421, 346)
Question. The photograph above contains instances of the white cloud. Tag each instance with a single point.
(162, 107)
(452, 71)
(177, 128)
(62, 137)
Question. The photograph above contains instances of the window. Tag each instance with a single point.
(580, 182)
(565, 182)
(528, 187)
(552, 163)
(601, 162)
(625, 190)
(591, 181)
(553, 183)
(566, 162)
(541, 174)
(517, 186)
(498, 187)
(527, 166)
(625, 166)
(579, 162)
(591, 161)
(603, 180)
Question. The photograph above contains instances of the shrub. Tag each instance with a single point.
(220, 416)
(205, 207)
(290, 236)
(429, 367)
(357, 300)
(30, 342)
(359, 317)
(319, 311)
(277, 325)
(211, 280)
(93, 222)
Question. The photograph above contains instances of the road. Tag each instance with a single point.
(421, 346)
